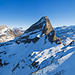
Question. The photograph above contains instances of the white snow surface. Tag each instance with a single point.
(3, 31)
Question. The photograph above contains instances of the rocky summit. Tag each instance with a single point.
(43, 27)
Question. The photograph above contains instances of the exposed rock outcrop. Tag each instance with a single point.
(48, 27)
(42, 27)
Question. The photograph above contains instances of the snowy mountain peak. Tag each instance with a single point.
(43, 24)
(6, 34)
(42, 27)
(3, 26)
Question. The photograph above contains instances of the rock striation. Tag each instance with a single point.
(42, 27)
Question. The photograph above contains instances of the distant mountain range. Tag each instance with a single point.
(39, 50)
(7, 34)
(18, 31)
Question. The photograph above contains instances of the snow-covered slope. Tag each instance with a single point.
(38, 52)
(3, 28)
(6, 34)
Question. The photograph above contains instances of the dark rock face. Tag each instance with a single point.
(37, 25)
(44, 27)
(43, 24)
(52, 36)
(3, 64)
(48, 30)
(48, 27)
(72, 43)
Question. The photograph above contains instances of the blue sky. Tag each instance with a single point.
(24, 13)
